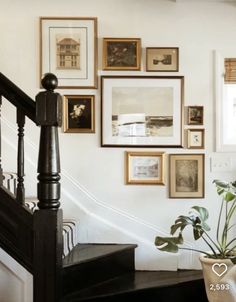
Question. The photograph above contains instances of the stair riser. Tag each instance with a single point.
(104, 268)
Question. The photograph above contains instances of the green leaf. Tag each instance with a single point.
(180, 223)
(233, 260)
(169, 244)
(203, 213)
(220, 190)
(222, 184)
(229, 196)
(206, 227)
(197, 232)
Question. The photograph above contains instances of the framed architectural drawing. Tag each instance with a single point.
(121, 53)
(78, 114)
(144, 168)
(68, 49)
(196, 138)
(186, 175)
(142, 111)
(162, 59)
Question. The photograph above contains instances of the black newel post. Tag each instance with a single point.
(48, 219)
(1, 172)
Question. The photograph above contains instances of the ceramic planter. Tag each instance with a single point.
(220, 279)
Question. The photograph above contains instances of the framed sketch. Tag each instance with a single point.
(142, 111)
(195, 115)
(144, 168)
(196, 138)
(162, 59)
(78, 114)
(121, 53)
(186, 172)
(68, 48)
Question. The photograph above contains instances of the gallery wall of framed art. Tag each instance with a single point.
(137, 111)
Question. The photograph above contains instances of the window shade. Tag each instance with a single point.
(230, 70)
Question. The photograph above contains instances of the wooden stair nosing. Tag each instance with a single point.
(145, 286)
(97, 267)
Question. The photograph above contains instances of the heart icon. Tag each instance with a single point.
(219, 269)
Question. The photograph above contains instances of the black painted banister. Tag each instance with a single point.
(17, 97)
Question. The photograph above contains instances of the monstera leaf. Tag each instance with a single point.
(169, 244)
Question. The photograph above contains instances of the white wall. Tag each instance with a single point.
(93, 177)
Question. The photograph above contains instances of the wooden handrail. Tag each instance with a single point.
(17, 97)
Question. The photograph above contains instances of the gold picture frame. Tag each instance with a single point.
(196, 138)
(121, 53)
(68, 49)
(78, 113)
(186, 175)
(144, 168)
(195, 115)
(162, 59)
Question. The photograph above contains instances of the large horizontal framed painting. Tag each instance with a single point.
(186, 173)
(68, 49)
(144, 168)
(142, 111)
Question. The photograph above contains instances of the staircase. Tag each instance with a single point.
(34, 232)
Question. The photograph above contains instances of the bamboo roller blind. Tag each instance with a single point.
(230, 71)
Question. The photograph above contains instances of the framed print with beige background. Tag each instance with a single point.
(186, 175)
(142, 111)
(68, 48)
(162, 59)
(144, 168)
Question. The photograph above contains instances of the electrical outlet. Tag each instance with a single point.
(221, 164)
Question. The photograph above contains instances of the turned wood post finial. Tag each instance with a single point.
(49, 82)
(48, 116)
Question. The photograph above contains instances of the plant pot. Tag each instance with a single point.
(219, 278)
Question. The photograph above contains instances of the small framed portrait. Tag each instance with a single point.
(78, 114)
(144, 168)
(195, 115)
(121, 53)
(186, 172)
(162, 59)
(196, 138)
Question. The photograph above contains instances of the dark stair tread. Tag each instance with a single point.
(82, 253)
(135, 282)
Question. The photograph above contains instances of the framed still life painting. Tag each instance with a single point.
(142, 111)
(121, 54)
(78, 114)
(68, 49)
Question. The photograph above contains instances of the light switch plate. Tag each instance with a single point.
(221, 164)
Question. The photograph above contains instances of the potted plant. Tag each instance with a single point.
(218, 261)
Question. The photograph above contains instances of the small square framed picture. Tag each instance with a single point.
(195, 115)
(196, 138)
(144, 168)
(162, 59)
(121, 53)
(78, 114)
(186, 172)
